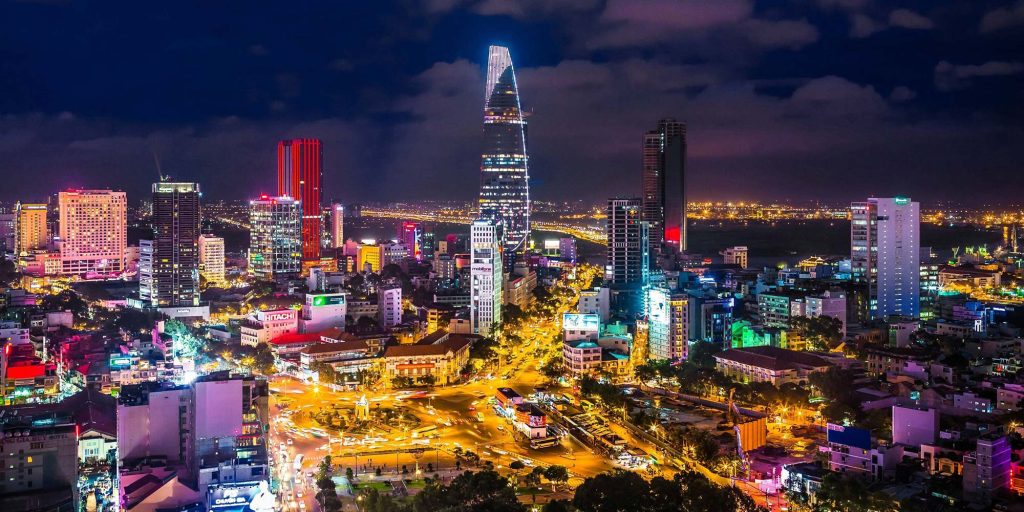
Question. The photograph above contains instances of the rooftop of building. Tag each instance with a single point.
(342, 346)
(451, 343)
(773, 358)
(306, 337)
(613, 355)
(138, 394)
(531, 409)
(581, 344)
(508, 392)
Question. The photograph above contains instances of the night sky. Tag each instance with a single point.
(828, 100)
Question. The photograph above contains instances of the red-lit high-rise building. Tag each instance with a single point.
(300, 173)
(409, 234)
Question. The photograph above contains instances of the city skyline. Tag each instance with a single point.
(778, 103)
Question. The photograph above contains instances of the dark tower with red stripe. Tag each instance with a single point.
(300, 173)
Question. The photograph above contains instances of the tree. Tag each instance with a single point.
(701, 353)
(845, 493)
(186, 344)
(644, 373)
(366, 324)
(375, 501)
(619, 491)
(532, 479)
(8, 272)
(821, 332)
(516, 466)
(470, 491)
(556, 506)
(553, 369)
(622, 491)
(556, 475)
(471, 457)
(66, 300)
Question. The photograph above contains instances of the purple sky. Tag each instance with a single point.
(829, 99)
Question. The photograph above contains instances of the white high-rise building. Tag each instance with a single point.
(389, 306)
(93, 231)
(211, 259)
(337, 225)
(885, 247)
(485, 276)
(668, 321)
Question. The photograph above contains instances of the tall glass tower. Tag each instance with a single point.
(300, 172)
(504, 178)
(664, 185)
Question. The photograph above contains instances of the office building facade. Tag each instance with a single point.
(504, 175)
(628, 242)
(885, 248)
(30, 228)
(409, 234)
(668, 324)
(337, 225)
(211, 259)
(175, 244)
(93, 229)
(485, 276)
(275, 237)
(300, 174)
(664, 185)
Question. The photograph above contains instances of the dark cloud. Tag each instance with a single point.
(905, 18)
(1003, 18)
(953, 76)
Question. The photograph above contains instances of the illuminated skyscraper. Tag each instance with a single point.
(337, 225)
(409, 234)
(627, 256)
(300, 172)
(885, 247)
(668, 321)
(211, 259)
(486, 276)
(30, 228)
(93, 231)
(664, 184)
(275, 242)
(504, 176)
(175, 244)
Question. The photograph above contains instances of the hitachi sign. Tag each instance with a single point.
(280, 315)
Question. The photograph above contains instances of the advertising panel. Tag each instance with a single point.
(580, 322)
(329, 300)
(849, 436)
